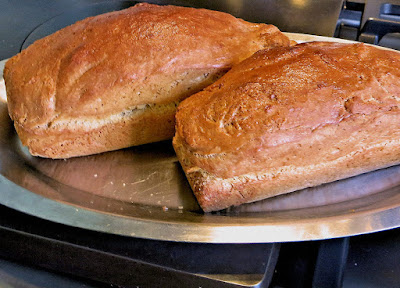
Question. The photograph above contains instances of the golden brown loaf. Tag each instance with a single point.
(290, 118)
(114, 80)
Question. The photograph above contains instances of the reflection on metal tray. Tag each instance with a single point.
(142, 192)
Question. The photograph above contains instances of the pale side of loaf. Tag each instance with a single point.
(114, 80)
(290, 118)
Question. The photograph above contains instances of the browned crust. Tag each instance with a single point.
(66, 137)
(106, 64)
(326, 129)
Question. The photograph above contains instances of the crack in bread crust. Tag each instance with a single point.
(216, 193)
(112, 134)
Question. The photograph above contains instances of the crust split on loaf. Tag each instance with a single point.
(288, 118)
(67, 92)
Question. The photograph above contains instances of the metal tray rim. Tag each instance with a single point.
(204, 228)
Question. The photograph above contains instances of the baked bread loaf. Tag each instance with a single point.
(114, 80)
(290, 118)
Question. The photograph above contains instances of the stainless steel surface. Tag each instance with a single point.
(142, 192)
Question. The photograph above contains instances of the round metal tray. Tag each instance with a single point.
(142, 192)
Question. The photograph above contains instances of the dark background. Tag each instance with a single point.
(19, 18)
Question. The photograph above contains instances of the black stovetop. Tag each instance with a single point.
(39, 253)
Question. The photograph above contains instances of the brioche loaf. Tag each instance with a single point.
(290, 118)
(114, 80)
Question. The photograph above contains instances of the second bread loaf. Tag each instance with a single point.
(290, 118)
